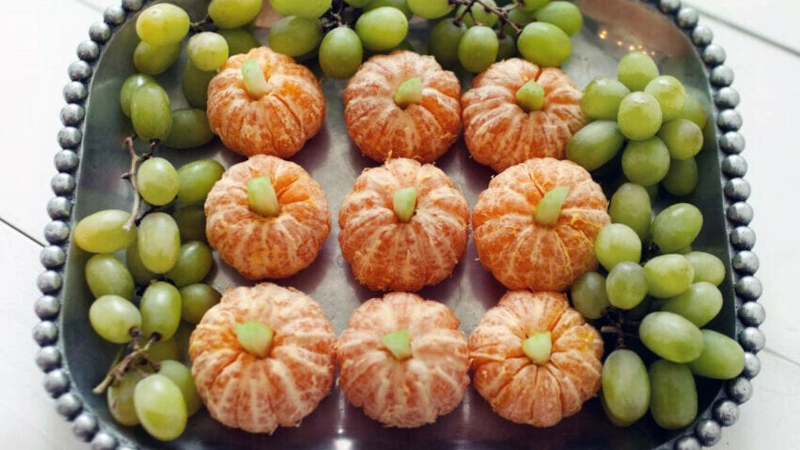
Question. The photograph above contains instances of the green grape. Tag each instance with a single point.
(693, 110)
(128, 86)
(240, 40)
(191, 221)
(626, 285)
(196, 180)
(234, 13)
(676, 227)
(478, 49)
(158, 241)
(533, 5)
(194, 262)
(668, 275)
(681, 178)
(157, 181)
(106, 274)
(625, 391)
(160, 406)
(707, 267)
(544, 44)
(189, 129)
(645, 162)
(155, 59)
(341, 53)
(141, 276)
(564, 15)
(670, 94)
(402, 5)
(595, 144)
(684, 139)
(430, 9)
(207, 50)
(601, 98)
(306, 9)
(195, 85)
(635, 70)
(617, 242)
(507, 47)
(162, 24)
(722, 357)
(673, 394)
(699, 304)
(182, 377)
(671, 336)
(119, 397)
(639, 116)
(196, 299)
(517, 16)
(382, 28)
(104, 231)
(478, 14)
(630, 205)
(151, 113)
(443, 41)
(295, 36)
(161, 310)
(163, 350)
(113, 317)
(588, 295)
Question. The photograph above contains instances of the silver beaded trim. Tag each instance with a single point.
(706, 431)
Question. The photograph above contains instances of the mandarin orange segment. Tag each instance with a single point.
(411, 392)
(256, 394)
(523, 254)
(386, 253)
(524, 392)
(381, 129)
(280, 122)
(500, 133)
(267, 247)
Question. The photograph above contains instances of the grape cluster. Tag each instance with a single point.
(471, 34)
(651, 283)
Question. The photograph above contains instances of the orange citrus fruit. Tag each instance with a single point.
(539, 391)
(267, 247)
(281, 121)
(260, 393)
(522, 253)
(499, 133)
(422, 125)
(428, 382)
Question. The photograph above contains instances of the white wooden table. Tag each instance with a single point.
(763, 49)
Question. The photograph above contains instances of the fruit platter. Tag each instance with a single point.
(450, 224)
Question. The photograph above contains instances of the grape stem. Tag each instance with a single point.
(136, 160)
(136, 357)
(501, 13)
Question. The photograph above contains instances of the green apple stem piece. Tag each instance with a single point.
(408, 93)
(255, 83)
(530, 97)
(549, 208)
(255, 337)
(404, 201)
(538, 347)
(398, 343)
(262, 197)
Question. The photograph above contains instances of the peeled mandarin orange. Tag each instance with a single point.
(262, 246)
(403, 360)
(255, 384)
(524, 252)
(290, 111)
(535, 359)
(387, 251)
(498, 129)
(403, 105)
